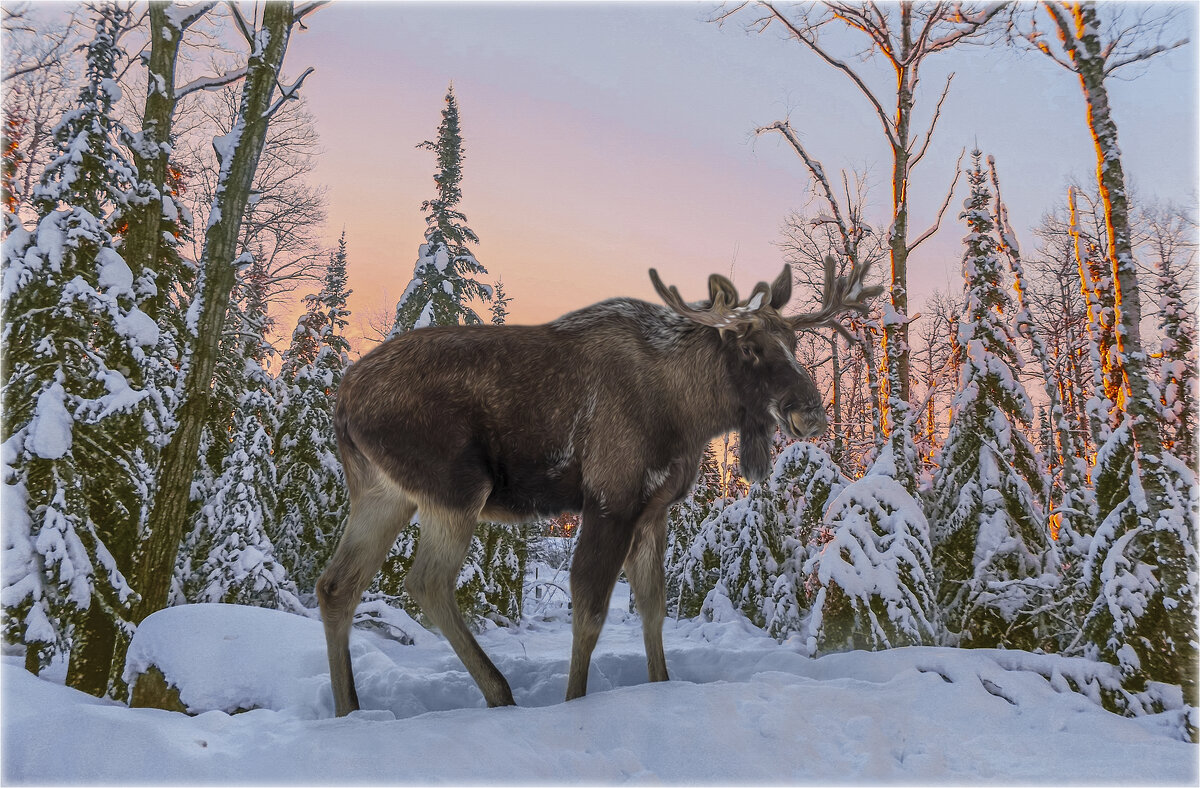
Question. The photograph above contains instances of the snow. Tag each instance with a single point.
(741, 709)
(50, 429)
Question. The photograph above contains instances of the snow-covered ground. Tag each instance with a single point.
(740, 709)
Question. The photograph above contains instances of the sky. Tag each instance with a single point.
(603, 139)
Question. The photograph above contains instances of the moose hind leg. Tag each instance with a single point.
(377, 515)
(603, 543)
(644, 568)
(445, 539)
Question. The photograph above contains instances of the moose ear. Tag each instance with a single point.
(781, 288)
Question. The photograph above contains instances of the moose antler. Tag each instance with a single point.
(724, 310)
(840, 294)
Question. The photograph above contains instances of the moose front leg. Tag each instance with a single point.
(644, 568)
(604, 538)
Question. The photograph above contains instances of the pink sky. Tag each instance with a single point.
(603, 139)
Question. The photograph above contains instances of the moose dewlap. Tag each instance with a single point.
(604, 411)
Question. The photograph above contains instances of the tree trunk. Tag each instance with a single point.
(241, 150)
(899, 234)
(91, 667)
(1166, 649)
(839, 438)
(144, 236)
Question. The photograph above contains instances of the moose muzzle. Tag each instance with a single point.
(807, 422)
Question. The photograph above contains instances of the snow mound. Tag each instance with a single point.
(230, 657)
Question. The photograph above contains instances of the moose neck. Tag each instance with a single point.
(704, 370)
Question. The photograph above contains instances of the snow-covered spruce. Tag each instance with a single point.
(991, 545)
(76, 345)
(229, 556)
(868, 581)
(312, 503)
(685, 597)
(1071, 504)
(752, 551)
(1179, 376)
(739, 550)
(445, 276)
(1129, 623)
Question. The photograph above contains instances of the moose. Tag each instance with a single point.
(605, 411)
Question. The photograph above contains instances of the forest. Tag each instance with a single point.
(1010, 463)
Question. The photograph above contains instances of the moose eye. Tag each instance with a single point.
(750, 352)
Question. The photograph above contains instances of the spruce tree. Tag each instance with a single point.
(74, 391)
(804, 482)
(868, 580)
(738, 552)
(500, 302)
(505, 549)
(442, 286)
(684, 521)
(990, 542)
(1179, 377)
(230, 557)
(444, 279)
(312, 500)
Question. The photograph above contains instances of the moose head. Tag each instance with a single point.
(760, 353)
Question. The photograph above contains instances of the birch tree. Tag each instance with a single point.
(1158, 642)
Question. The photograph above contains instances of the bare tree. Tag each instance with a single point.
(239, 153)
(41, 70)
(904, 35)
(33, 46)
(285, 213)
(1094, 49)
(935, 357)
(806, 241)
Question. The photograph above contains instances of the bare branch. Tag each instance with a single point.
(937, 113)
(969, 28)
(805, 36)
(818, 173)
(858, 18)
(1145, 54)
(946, 204)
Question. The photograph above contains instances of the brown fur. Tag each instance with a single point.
(604, 411)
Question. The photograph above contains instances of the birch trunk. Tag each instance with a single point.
(1166, 647)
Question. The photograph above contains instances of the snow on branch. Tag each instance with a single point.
(210, 82)
(240, 21)
(183, 16)
(874, 25)
(287, 93)
(946, 204)
(304, 10)
(967, 25)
